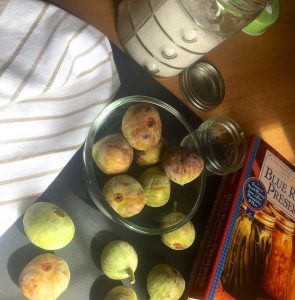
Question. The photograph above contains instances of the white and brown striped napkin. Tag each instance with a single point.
(56, 74)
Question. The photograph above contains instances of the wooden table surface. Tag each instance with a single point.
(258, 71)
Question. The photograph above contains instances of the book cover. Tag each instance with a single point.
(248, 251)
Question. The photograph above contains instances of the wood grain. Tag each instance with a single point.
(259, 72)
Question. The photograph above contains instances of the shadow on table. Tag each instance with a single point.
(20, 226)
(98, 242)
(101, 286)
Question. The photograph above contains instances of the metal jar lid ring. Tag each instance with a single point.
(202, 85)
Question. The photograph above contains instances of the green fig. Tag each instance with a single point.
(141, 126)
(125, 195)
(112, 154)
(156, 186)
(165, 283)
(121, 293)
(182, 165)
(119, 260)
(151, 155)
(45, 277)
(48, 226)
(181, 238)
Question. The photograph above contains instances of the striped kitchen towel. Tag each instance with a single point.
(56, 74)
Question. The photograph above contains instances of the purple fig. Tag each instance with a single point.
(141, 126)
(182, 165)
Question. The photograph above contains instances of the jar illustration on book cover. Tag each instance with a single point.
(167, 36)
(248, 254)
(278, 273)
(291, 291)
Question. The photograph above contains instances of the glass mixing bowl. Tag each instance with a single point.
(185, 199)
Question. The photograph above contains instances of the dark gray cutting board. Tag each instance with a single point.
(93, 229)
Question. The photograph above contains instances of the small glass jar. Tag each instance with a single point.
(277, 276)
(223, 144)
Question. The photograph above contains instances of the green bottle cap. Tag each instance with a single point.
(266, 18)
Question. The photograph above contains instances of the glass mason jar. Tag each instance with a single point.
(223, 144)
(248, 253)
(278, 273)
(167, 36)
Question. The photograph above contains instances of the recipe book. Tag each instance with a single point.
(248, 248)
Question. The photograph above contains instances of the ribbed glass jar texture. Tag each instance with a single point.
(223, 144)
(167, 36)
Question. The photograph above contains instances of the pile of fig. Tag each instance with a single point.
(140, 140)
(161, 165)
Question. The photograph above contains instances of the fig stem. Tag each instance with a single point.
(131, 275)
(174, 207)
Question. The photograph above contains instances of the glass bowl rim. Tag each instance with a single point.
(89, 174)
